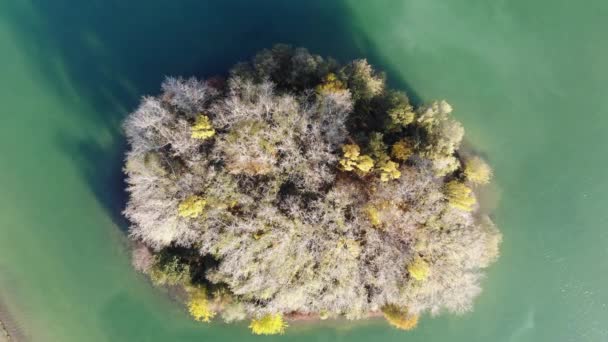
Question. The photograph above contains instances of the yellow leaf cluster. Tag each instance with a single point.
(373, 215)
(199, 307)
(402, 150)
(388, 171)
(460, 196)
(418, 269)
(192, 207)
(353, 159)
(268, 325)
(365, 163)
(399, 318)
(202, 128)
(477, 171)
(331, 84)
(351, 151)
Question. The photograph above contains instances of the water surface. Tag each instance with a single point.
(527, 78)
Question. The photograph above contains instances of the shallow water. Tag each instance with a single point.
(527, 78)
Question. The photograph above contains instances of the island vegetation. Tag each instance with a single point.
(298, 187)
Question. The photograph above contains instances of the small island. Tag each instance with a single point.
(301, 188)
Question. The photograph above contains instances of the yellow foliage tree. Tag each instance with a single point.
(351, 154)
(477, 171)
(419, 269)
(199, 307)
(399, 318)
(353, 159)
(388, 171)
(365, 163)
(373, 215)
(460, 196)
(402, 150)
(202, 128)
(192, 207)
(268, 325)
(331, 84)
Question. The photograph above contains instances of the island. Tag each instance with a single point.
(297, 187)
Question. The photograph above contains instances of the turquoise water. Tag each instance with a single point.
(527, 79)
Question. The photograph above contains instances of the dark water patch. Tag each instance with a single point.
(101, 168)
(106, 54)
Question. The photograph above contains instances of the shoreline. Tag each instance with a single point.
(300, 317)
(9, 331)
(4, 334)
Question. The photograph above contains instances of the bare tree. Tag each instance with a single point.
(252, 175)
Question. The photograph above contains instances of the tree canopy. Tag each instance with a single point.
(300, 186)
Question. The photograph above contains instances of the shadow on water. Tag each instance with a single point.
(109, 53)
(106, 54)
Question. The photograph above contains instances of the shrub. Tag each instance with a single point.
(399, 318)
(198, 305)
(169, 270)
(268, 325)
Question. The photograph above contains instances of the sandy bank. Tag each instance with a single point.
(9, 331)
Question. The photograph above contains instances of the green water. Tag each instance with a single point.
(527, 78)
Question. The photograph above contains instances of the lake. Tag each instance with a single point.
(527, 79)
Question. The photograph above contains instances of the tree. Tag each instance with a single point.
(477, 171)
(363, 82)
(402, 150)
(443, 136)
(460, 196)
(142, 259)
(400, 111)
(302, 186)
